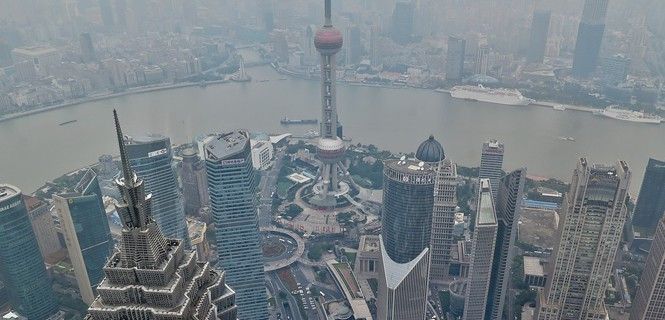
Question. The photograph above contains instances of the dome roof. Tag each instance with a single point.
(430, 151)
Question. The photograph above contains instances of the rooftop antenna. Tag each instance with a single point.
(126, 168)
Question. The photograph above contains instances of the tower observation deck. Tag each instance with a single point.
(331, 149)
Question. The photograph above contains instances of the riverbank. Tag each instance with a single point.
(105, 96)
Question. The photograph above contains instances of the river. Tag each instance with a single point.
(36, 148)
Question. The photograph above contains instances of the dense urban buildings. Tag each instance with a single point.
(589, 37)
(540, 27)
(482, 255)
(86, 231)
(331, 148)
(651, 200)
(491, 163)
(21, 264)
(455, 58)
(232, 185)
(649, 302)
(593, 211)
(507, 204)
(152, 159)
(154, 277)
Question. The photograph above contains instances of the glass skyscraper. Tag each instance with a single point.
(21, 264)
(651, 201)
(232, 187)
(86, 232)
(589, 37)
(152, 159)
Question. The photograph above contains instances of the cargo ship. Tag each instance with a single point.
(287, 121)
(617, 113)
(509, 97)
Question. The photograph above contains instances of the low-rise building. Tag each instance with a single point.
(534, 272)
(262, 153)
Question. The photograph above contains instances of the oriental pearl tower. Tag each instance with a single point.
(331, 149)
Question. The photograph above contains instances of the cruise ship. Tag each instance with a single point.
(629, 115)
(510, 97)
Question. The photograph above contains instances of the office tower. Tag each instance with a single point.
(280, 45)
(540, 27)
(86, 231)
(507, 205)
(408, 198)
(331, 148)
(21, 264)
(87, 48)
(354, 50)
(232, 187)
(121, 14)
(594, 212)
(374, 56)
(482, 60)
(651, 201)
(444, 206)
(455, 58)
(402, 286)
(308, 48)
(649, 300)
(589, 37)
(106, 12)
(151, 276)
(402, 24)
(152, 159)
(482, 255)
(43, 226)
(491, 162)
(194, 181)
(615, 69)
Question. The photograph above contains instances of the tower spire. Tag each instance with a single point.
(126, 168)
(328, 10)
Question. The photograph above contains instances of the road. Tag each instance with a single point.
(267, 186)
(276, 284)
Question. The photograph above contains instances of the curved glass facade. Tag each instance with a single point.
(408, 198)
(21, 263)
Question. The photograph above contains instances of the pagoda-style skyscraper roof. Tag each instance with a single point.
(152, 277)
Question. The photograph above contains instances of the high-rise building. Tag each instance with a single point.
(649, 302)
(444, 206)
(507, 204)
(403, 21)
(455, 58)
(86, 231)
(589, 37)
(408, 199)
(354, 49)
(151, 276)
(482, 60)
(232, 186)
(482, 255)
(309, 50)
(21, 264)
(152, 159)
(194, 181)
(651, 201)
(615, 69)
(594, 212)
(540, 27)
(491, 163)
(330, 149)
(402, 292)
(374, 55)
(43, 225)
(87, 48)
(106, 12)
(121, 14)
